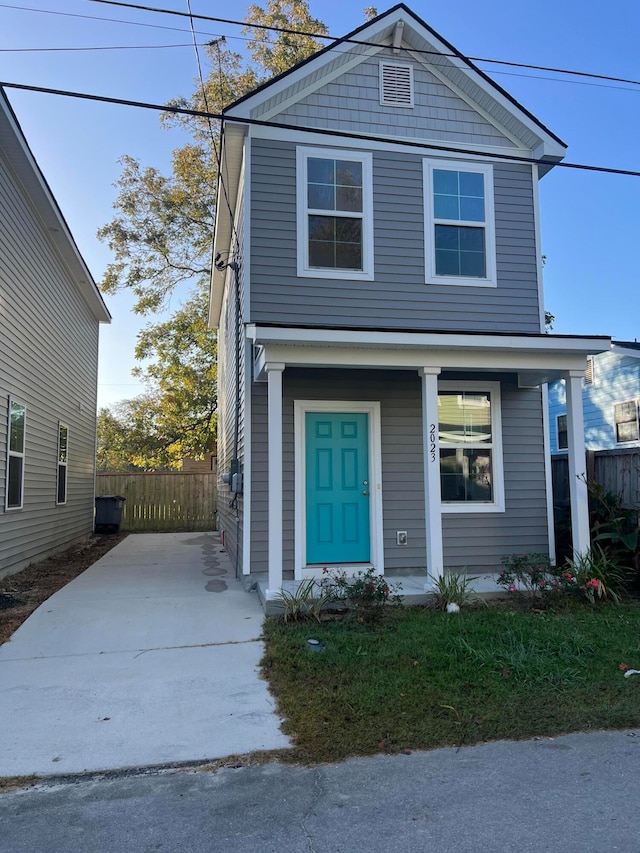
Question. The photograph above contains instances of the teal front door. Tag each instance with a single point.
(337, 487)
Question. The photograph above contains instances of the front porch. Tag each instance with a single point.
(503, 506)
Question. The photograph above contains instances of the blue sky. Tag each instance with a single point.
(590, 221)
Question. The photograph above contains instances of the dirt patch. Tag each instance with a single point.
(21, 593)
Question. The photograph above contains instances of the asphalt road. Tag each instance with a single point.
(574, 793)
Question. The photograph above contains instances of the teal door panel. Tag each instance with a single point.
(337, 487)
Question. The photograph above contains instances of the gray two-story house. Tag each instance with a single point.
(50, 313)
(378, 295)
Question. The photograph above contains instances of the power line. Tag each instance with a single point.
(290, 31)
(99, 47)
(97, 18)
(405, 143)
(314, 35)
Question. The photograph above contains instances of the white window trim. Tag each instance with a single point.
(558, 448)
(15, 453)
(633, 441)
(396, 104)
(301, 407)
(490, 280)
(62, 425)
(498, 503)
(366, 158)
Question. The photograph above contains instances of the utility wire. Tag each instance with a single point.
(291, 31)
(101, 47)
(405, 143)
(97, 18)
(318, 35)
(217, 154)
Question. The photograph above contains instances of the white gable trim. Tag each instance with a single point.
(551, 146)
(319, 82)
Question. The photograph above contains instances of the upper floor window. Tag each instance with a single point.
(470, 434)
(63, 447)
(625, 416)
(335, 217)
(459, 224)
(14, 488)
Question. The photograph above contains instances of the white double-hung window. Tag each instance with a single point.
(470, 434)
(459, 223)
(14, 486)
(335, 216)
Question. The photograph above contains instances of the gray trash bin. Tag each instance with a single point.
(108, 513)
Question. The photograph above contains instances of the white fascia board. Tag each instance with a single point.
(24, 166)
(618, 350)
(289, 79)
(579, 345)
(421, 147)
(232, 149)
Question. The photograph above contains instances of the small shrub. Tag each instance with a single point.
(365, 591)
(595, 576)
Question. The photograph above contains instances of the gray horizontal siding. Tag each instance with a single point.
(231, 517)
(476, 542)
(48, 362)
(351, 102)
(398, 298)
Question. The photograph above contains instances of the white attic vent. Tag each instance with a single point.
(589, 374)
(396, 84)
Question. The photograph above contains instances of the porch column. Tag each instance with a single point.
(274, 380)
(432, 497)
(577, 464)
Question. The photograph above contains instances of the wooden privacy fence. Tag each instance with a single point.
(617, 471)
(163, 501)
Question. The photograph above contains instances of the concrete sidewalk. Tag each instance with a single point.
(148, 657)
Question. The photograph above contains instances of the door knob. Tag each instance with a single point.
(365, 492)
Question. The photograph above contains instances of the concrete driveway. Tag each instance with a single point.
(148, 657)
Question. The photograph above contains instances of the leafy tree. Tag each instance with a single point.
(161, 238)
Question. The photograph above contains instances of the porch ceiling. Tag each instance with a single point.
(535, 358)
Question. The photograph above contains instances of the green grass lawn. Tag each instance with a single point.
(421, 679)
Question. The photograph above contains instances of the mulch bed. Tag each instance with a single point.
(22, 593)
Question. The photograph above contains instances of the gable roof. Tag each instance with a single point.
(420, 42)
(14, 144)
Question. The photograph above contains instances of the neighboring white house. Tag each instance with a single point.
(378, 296)
(610, 399)
(50, 311)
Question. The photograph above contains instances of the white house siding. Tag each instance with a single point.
(398, 298)
(48, 362)
(476, 542)
(230, 517)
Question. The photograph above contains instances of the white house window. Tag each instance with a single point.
(63, 447)
(335, 219)
(471, 476)
(396, 84)
(15, 455)
(625, 416)
(460, 229)
(561, 431)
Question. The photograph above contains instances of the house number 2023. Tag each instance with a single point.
(432, 442)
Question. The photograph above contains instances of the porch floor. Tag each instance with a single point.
(413, 591)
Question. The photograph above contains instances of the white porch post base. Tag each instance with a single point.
(579, 495)
(432, 495)
(274, 380)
